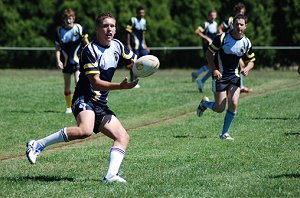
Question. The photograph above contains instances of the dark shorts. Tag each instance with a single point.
(100, 110)
(224, 83)
(70, 68)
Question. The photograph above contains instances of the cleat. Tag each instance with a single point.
(246, 90)
(69, 110)
(226, 136)
(114, 178)
(194, 76)
(201, 108)
(137, 86)
(200, 86)
(33, 150)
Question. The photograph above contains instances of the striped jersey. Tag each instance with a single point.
(69, 41)
(102, 60)
(137, 28)
(228, 51)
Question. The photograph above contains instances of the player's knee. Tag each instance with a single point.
(125, 137)
(84, 133)
(219, 109)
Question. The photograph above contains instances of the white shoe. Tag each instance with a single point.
(69, 110)
(33, 150)
(114, 178)
(201, 108)
(226, 136)
(137, 86)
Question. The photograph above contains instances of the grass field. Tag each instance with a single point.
(172, 152)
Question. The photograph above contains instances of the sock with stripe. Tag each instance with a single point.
(116, 158)
(59, 136)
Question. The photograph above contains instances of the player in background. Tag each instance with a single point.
(207, 31)
(225, 26)
(98, 62)
(223, 57)
(136, 29)
(70, 37)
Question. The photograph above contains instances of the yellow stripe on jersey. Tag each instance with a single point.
(213, 48)
(92, 72)
(126, 56)
(92, 51)
(90, 65)
(200, 29)
(129, 28)
(237, 73)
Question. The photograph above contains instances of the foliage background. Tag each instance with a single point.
(170, 23)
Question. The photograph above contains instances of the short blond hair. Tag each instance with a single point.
(68, 13)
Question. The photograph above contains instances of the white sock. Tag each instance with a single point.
(59, 136)
(116, 158)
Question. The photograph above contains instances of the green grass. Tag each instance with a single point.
(172, 152)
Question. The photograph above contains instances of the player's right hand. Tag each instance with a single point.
(217, 74)
(60, 65)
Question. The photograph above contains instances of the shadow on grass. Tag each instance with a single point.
(286, 175)
(292, 134)
(44, 178)
(32, 111)
(189, 136)
(268, 118)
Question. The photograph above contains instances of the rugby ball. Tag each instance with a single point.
(145, 66)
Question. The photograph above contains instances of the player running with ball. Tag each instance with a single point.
(223, 58)
(98, 63)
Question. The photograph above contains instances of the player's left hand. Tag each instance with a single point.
(128, 85)
(245, 71)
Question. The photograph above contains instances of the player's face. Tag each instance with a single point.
(106, 32)
(141, 13)
(213, 16)
(69, 21)
(239, 27)
(242, 11)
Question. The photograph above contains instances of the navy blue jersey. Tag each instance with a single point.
(228, 24)
(137, 28)
(97, 59)
(210, 29)
(228, 51)
(69, 41)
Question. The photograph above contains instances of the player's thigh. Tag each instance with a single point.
(220, 101)
(113, 128)
(85, 121)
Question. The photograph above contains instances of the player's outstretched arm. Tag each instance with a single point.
(101, 85)
(128, 85)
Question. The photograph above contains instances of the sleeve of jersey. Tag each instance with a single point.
(249, 56)
(201, 28)
(126, 56)
(56, 39)
(215, 45)
(89, 61)
(129, 25)
(84, 33)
